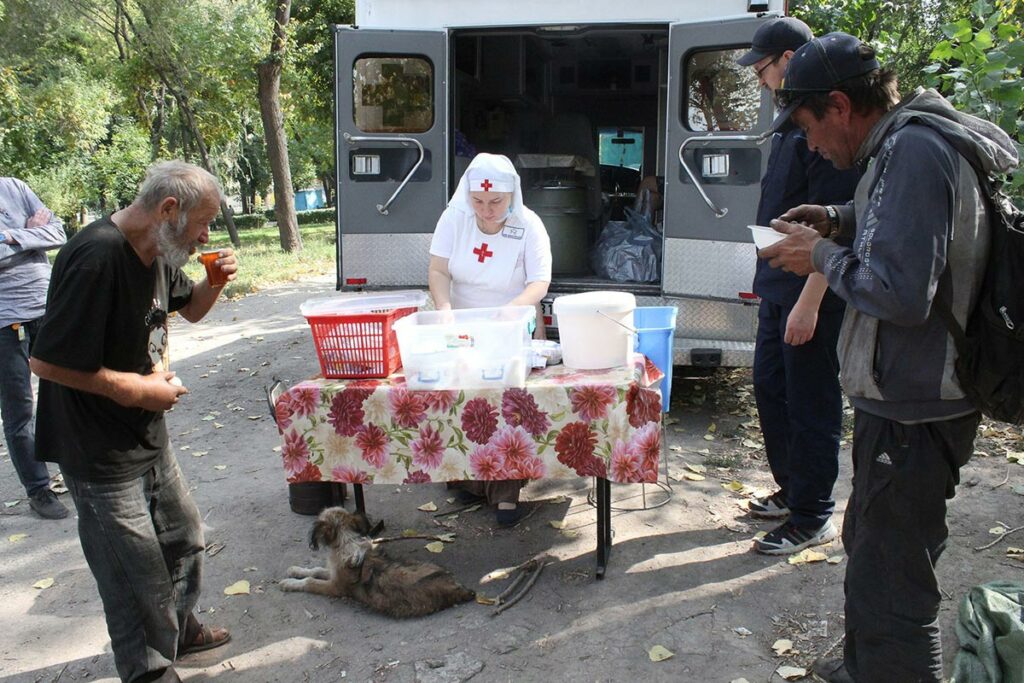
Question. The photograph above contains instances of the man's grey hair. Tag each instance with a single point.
(186, 182)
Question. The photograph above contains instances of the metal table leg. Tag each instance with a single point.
(357, 489)
(604, 525)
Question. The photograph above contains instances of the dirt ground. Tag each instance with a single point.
(681, 576)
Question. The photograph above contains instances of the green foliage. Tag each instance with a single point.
(316, 216)
(978, 66)
(120, 164)
(243, 221)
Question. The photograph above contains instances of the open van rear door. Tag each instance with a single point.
(714, 160)
(391, 137)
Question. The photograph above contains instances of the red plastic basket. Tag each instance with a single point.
(358, 344)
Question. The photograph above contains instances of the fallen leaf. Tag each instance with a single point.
(410, 532)
(238, 588)
(997, 530)
(1015, 456)
(712, 428)
(670, 420)
(704, 451)
(220, 467)
(428, 507)
(214, 548)
(435, 547)
(834, 559)
(482, 599)
(791, 673)
(782, 646)
(1014, 551)
(558, 500)
(558, 524)
(677, 449)
(699, 469)
(693, 476)
(1018, 489)
(742, 631)
(709, 437)
(217, 425)
(11, 503)
(184, 448)
(447, 538)
(199, 454)
(750, 443)
(43, 584)
(760, 534)
(254, 417)
(250, 569)
(208, 418)
(14, 538)
(807, 555)
(739, 680)
(276, 449)
(659, 653)
(733, 486)
(496, 575)
(570, 533)
(449, 500)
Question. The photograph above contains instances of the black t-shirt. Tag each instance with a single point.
(105, 308)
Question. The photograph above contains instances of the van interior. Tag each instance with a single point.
(579, 110)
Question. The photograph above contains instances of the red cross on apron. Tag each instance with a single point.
(482, 252)
(486, 186)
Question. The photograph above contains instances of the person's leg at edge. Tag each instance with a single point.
(815, 421)
(770, 390)
(179, 532)
(16, 408)
(895, 532)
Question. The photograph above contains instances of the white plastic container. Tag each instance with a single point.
(363, 302)
(470, 348)
(595, 329)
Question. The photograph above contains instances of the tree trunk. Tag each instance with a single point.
(269, 71)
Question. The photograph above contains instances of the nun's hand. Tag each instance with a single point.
(792, 254)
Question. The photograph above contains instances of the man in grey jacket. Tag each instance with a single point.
(917, 229)
(27, 231)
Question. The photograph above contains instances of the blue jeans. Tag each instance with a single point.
(16, 406)
(143, 541)
(800, 406)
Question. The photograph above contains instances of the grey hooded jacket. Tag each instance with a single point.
(918, 211)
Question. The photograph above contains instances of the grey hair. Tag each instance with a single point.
(186, 182)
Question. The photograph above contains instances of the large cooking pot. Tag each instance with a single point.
(563, 208)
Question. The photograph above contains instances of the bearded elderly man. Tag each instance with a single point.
(104, 388)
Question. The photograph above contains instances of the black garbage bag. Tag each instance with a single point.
(629, 250)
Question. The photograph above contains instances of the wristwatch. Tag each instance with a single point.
(833, 222)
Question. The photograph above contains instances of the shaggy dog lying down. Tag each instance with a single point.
(356, 569)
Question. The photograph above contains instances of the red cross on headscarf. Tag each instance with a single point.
(482, 252)
(486, 187)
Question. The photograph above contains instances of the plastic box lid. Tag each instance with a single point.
(363, 302)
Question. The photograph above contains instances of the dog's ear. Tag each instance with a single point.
(323, 533)
(362, 523)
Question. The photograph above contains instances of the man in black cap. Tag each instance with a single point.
(914, 240)
(796, 372)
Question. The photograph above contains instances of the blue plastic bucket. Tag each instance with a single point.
(656, 326)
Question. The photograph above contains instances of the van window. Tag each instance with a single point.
(393, 94)
(720, 94)
(619, 147)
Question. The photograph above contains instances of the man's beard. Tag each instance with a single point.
(169, 241)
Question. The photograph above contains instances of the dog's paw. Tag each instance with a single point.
(292, 585)
(298, 572)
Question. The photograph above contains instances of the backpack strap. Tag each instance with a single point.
(943, 307)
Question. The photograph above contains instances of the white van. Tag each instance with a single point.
(588, 98)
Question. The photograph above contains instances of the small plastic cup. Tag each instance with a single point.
(214, 275)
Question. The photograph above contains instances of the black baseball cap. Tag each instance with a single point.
(821, 66)
(774, 37)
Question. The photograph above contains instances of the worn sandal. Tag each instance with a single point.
(206, 638)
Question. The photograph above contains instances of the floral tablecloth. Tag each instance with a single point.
(563, 424)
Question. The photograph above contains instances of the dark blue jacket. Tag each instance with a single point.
(795, 176)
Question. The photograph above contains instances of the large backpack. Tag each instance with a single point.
(990, 350)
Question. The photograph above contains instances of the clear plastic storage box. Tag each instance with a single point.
(472, 348)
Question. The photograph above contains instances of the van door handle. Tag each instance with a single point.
(382, 209)
(756, 139)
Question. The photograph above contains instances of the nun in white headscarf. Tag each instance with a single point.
(489, 249)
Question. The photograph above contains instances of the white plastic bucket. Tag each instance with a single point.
(595, 329)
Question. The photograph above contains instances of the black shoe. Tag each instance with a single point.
(769, 507)
(46, 505)
(789, 538)
(831, 671)
(468, 497)
(508, 517)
